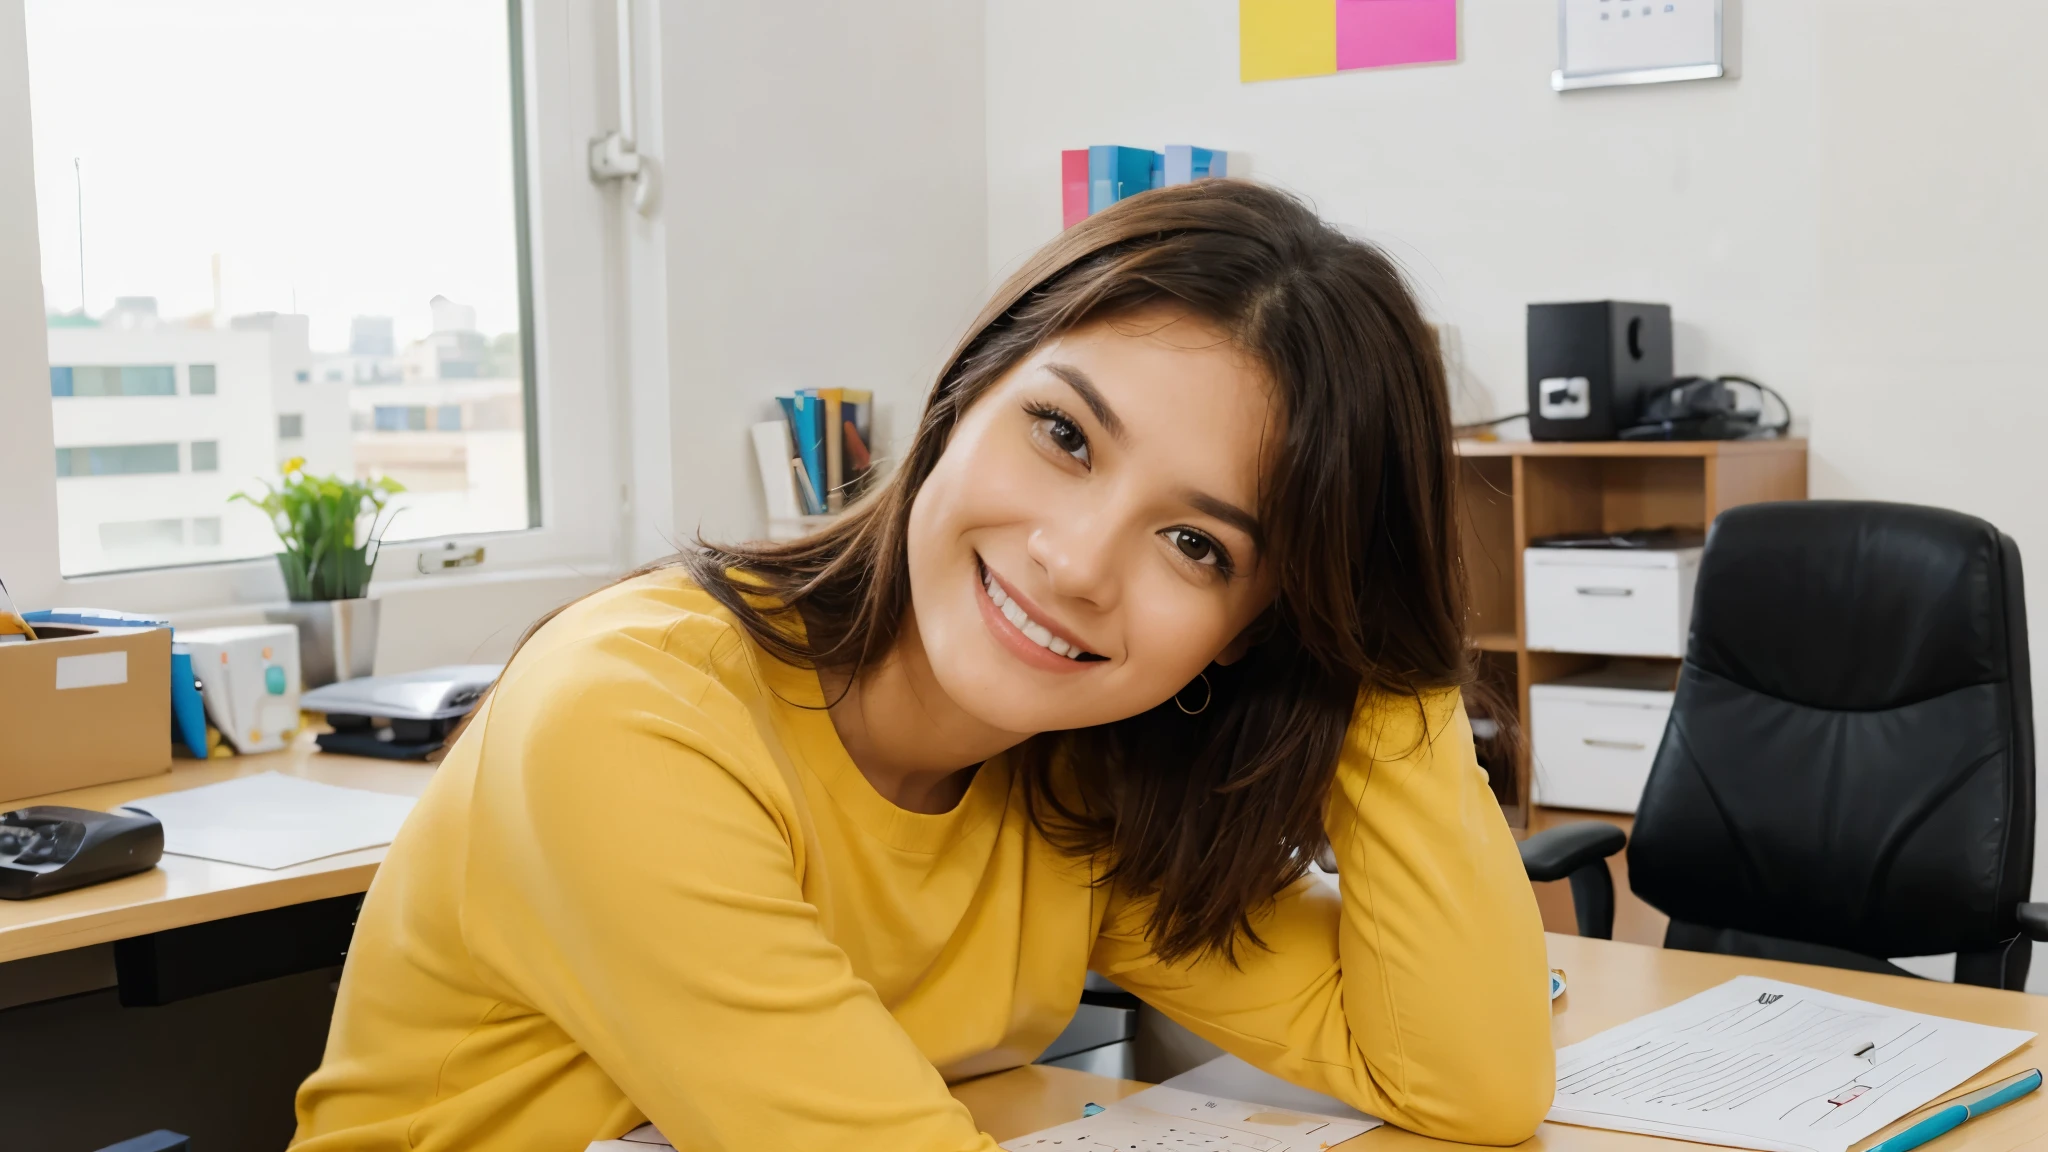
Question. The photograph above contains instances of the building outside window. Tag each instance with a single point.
(118, 460)
(294, 295)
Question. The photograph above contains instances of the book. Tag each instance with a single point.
(1073, 186)
(857, 409)
(1115, 172)
(835, 449)
(1185, 163)
(773, 450)
(808, 426)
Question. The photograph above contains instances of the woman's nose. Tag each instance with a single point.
(1079, 559)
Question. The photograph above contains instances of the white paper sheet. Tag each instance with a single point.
(274, 821)
(1231, 1078)
(1268, 1115)
(1164, 1119)
(1758, 1063)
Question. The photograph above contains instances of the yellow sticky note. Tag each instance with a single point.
(1277, 39)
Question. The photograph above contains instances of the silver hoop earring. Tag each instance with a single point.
(1208, 694)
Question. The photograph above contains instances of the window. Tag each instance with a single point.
(123, 380)
(141, 535)
(372, 261)
(118, 460)
(206, 532)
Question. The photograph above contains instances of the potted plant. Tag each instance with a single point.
(326, 572)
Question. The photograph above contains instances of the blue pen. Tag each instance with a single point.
(1961, 1109)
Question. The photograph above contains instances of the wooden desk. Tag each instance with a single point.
(1611, 983)
(182, 890)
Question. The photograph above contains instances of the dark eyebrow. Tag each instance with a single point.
(1227, 512)
(1090, 395)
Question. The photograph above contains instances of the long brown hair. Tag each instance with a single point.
(1211, 814)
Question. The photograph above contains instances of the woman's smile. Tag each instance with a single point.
(1027, 630)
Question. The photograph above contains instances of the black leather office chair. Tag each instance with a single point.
(1848, 772)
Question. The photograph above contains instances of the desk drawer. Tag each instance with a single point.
(1632, 606)
(1594, 746)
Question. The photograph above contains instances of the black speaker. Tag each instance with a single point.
(1590, 363)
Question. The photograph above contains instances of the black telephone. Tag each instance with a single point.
(46, 848)
(1705, 408)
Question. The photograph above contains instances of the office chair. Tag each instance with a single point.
(1848, 771)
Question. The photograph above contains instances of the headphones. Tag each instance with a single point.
(1705, 408)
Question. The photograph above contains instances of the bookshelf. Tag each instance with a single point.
(1514, 491)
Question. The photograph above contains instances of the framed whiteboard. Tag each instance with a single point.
(1601, 43)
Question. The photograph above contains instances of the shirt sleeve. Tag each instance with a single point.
(633, 878)
(1414, 987)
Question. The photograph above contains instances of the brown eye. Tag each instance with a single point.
(1061, 432)
(1195, 546)
(1067, 436)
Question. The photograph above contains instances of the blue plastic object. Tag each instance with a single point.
(188, 709)
(1963, 1108)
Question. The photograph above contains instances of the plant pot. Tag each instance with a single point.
(337, 638)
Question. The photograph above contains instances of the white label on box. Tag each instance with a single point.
(96, 670)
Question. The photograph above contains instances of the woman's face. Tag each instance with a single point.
(1088, 542)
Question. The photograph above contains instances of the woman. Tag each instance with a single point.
(770, 842)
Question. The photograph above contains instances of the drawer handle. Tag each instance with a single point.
(1599, 590)
(1624, 745)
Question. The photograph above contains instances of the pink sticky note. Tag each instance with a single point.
(1376, 33)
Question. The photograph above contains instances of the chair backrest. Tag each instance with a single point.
(1850, 756)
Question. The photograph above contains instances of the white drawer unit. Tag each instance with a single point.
(1610, 601)
(1593, 744)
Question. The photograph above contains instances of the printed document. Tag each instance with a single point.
(1262, 1114)
(1759, 1063)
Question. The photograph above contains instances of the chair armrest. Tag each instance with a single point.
(1556, 853)
(2033, 921)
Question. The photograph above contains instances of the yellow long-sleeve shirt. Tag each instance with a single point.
(648, 882)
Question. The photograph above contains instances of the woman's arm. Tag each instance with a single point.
(643, 896)
(1416, 990)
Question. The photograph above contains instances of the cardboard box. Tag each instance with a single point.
(82, 706)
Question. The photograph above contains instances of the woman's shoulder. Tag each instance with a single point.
(657, 632)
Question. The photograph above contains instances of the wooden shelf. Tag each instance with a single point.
(1515, 491)
(1612, 448)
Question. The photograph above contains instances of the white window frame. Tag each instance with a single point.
(584, 439)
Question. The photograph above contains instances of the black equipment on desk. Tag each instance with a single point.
(46, 849)
(1705, 408)
(1590, 363)
(401, 717)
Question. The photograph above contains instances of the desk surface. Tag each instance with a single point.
(183, 890)
(1611, 983)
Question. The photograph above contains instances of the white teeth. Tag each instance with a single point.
(1039, 633)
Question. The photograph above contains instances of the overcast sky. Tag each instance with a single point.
(356, 153)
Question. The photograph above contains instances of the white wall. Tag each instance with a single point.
(1494, 191)
(824, 215)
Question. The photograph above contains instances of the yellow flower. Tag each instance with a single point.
(294, 464)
